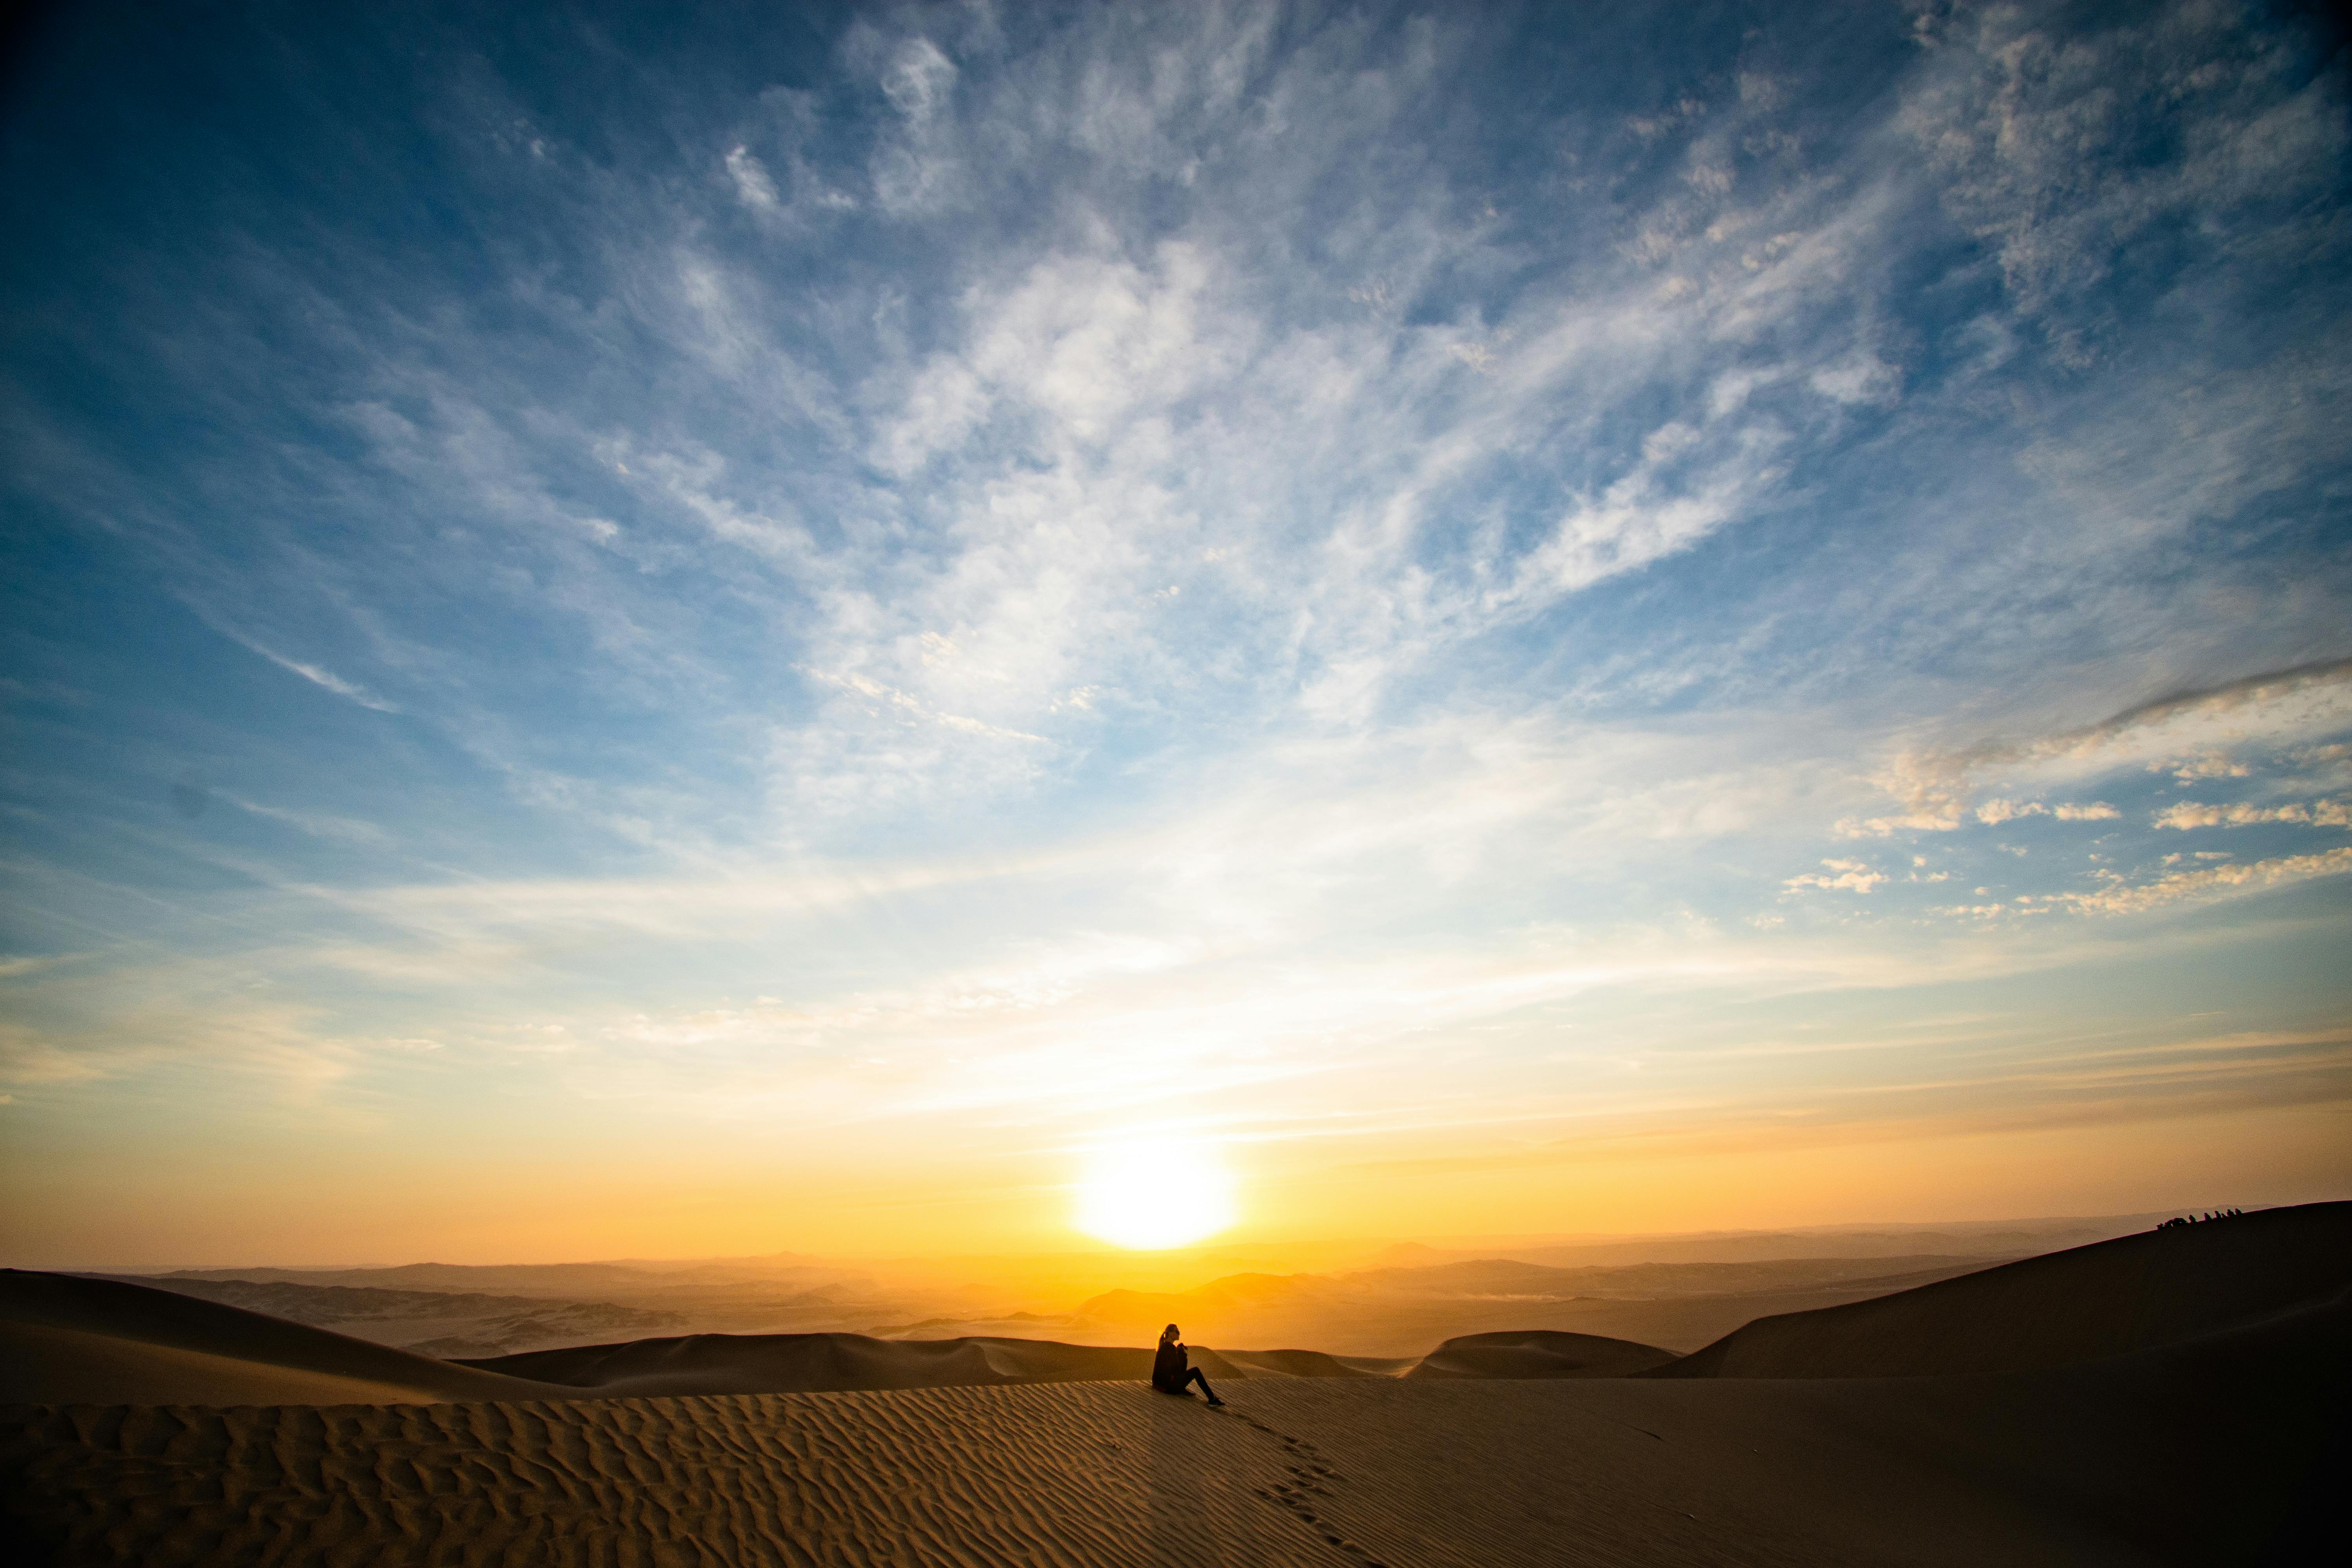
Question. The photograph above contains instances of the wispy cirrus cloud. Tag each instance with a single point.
(2279, 707)
(326, 679)
(1019, 567)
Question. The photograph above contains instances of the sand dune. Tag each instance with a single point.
(77, 1341)
(98, 1341)
(68, 1340)
(1404, 1312)
(811, 1363)
(1985, 1239)
(799, 1363)
(1301, 1364)
(437, 1323)
(1538, 1354)
(1391, 1312)
(2188, 1455)
(2168, 1398)
(2109, 1298)
(1300, 1471)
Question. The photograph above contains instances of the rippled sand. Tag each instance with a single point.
(1333, 1471)
(2175, 1397)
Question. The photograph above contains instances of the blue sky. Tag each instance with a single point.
(1454, 602)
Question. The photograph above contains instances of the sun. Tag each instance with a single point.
(1154, 1192)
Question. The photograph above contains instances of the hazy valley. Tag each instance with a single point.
(1361, 1299)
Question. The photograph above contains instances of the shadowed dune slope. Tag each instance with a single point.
(1537, 1352)
(1296, 1363)
(2109, 1298)
(68, 1340)
(2186, 1454)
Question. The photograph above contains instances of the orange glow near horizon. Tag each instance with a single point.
(361, 1204)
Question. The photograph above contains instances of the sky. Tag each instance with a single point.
(693, 629)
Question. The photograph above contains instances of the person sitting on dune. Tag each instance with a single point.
(1171, 1374)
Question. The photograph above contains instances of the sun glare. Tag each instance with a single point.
(1154, 1193)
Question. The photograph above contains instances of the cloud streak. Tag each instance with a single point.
(1285, 567)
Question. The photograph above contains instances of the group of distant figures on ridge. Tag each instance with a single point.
(2196, 1218)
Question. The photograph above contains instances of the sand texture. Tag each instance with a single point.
(2169, 1399)
(2132, 1293)
(1328, 1471)
(2186, 1454)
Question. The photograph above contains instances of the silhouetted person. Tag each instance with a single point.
(1171, 1374)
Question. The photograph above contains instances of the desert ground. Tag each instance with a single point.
(2170, 1396)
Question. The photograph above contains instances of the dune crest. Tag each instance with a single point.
(1537, 1352)
(77, 1341)
(71, 1339)
(806, 1363)
(2109, 1298)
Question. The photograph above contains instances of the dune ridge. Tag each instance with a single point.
(1537, 1352)
(808, 1363)
(72, 1339)
(2111, 1298)
(813, 1363)
(1402, 1311)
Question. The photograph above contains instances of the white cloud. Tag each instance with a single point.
(919, 170)
(2217, 881)
(2279, 706)
(326, 679)
(1199, 568)
(1854, 875)
(2209, 765)
(753, 185)
(2031, 134)
(2190, 813)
